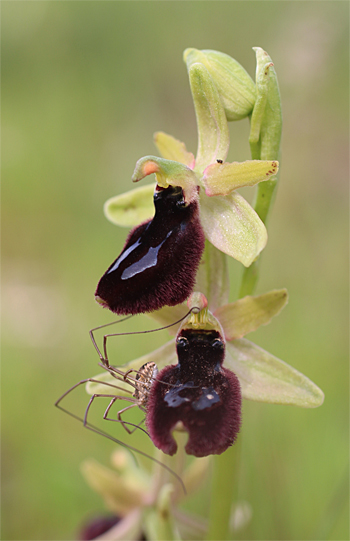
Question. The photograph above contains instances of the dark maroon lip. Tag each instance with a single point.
(159, 261)
(198, 392)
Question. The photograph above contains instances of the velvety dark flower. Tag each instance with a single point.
(199, 393)
(159, 261)
(158, 264)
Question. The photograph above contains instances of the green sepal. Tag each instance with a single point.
(264, 378)
(248, 314)
(236, 88)
(131, 208)
(213, 134)
(173, 149)
(168, 173)
(222, 179)
(233, 227)
(162, 356)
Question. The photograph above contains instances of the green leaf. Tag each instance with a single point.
(222, 179)
(231, 225)
(236, 88)
(264, 378)
(248, 314)
(213, 135)
(173, 149)
(162, 356)
(131, 208)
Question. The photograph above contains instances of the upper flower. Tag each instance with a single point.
(229, 222)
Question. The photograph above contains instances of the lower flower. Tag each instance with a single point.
(197, 394)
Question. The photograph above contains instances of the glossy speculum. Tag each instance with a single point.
(200, 393)
(159, 261)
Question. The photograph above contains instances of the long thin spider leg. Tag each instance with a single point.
(84, 420)
(92, 380)
(142, 332)
(138, 451)
(119, 374)
(140, 427)
(91, 333)
(97, 430)
(120, 420)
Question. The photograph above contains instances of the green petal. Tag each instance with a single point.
(212, 277)
(173, 149)
(131, 208)
(264, 378)
(248, 314)
(233, 226)
(222, 179)
(168, 173)
(236, 88)
(213, 135)
(162, 356)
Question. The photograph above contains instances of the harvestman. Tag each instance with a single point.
(141, 384)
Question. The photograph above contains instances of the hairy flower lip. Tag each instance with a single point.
(159, 261)
(197, 392)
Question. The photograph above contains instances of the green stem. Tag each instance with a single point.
(249, 279)
(264, 198)
(224, 492)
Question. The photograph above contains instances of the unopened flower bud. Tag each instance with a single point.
(266, 121)
(235, 86)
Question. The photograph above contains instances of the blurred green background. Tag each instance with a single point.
(84, 86)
